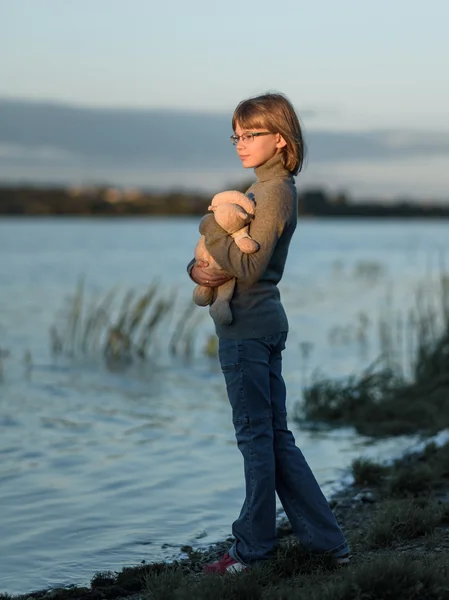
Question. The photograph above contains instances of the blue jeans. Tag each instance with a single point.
(272, 462)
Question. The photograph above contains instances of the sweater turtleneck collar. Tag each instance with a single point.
(274, 167)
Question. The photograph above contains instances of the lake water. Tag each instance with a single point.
(103, 468)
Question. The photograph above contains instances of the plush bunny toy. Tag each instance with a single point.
(233, 211)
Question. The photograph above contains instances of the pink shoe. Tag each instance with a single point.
(342, 561)
(226, 564)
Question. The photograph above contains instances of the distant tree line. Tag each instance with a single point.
(98, 201)
(317, 203)
(104, 201)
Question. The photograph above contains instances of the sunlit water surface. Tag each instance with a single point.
(104, 468)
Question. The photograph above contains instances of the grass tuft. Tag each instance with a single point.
(415, 481)
(133, 578)
(103, 579)
(401, 520)
(445, 513)
(162, 585)
(242, 586)
(388, 577)
(368, 472)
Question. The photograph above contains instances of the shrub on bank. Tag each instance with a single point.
(412, 476)
(382, 401)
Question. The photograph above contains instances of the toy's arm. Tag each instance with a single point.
(267, 227)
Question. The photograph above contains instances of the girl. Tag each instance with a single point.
(268, 138)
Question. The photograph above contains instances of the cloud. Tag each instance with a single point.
(166, 138)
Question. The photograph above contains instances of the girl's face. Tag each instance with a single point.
(258, 150)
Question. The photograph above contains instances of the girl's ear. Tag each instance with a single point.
(280, 142)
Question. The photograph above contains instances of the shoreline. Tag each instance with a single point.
(395, 513)
(360, 507)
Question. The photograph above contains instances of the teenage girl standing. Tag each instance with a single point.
(268, 138)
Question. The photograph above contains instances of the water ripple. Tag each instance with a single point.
(104, 469)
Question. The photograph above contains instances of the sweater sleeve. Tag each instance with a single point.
(190, 267)
(266, 229)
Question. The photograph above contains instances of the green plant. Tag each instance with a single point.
(125, 331)
(383, 401)
(368, 472)
(411, 481)
(402, 519)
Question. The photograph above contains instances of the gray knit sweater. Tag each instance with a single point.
(256, 305)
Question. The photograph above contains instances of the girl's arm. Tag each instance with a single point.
(272, 214)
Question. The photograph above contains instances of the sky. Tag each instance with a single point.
(347, 64)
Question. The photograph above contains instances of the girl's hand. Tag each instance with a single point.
(208, 277)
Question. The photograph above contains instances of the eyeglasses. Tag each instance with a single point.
(248, 138)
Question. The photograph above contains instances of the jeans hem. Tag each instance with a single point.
(235, 555)
(340, 550)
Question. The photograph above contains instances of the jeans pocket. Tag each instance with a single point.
(276, 340)
(269, 339)
(229, 354)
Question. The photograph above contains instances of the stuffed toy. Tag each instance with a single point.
(233, 211)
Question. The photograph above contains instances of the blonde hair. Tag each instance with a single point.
(275, 113)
